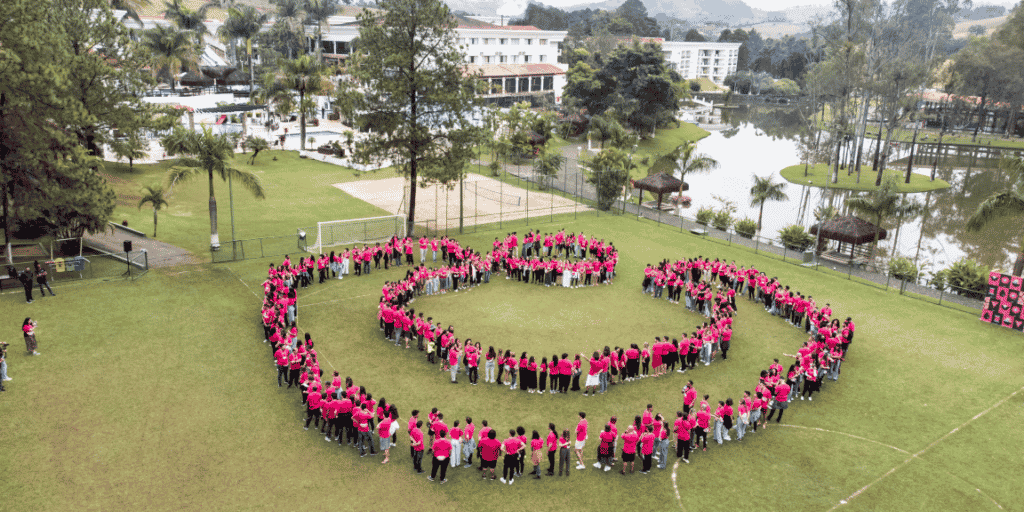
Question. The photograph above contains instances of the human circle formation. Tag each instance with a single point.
(348, 414)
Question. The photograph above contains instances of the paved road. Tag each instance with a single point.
(161, 254)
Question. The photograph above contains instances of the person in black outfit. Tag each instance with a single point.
(42, 281)
(26, 281)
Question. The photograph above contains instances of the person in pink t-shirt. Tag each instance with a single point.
(442, 449)
(629, 440)
(536, 450)
(511, 446)
(581, 439)
(647, 448)
(490, 448)
(416, 446)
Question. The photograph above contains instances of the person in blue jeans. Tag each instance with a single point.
(42, 281)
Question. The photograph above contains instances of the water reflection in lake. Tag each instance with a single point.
(761, 140)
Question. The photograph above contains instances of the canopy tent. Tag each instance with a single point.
(848, 229)
(661, 184)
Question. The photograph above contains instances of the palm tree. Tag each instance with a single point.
(128, 149)
(244, 22)
(305, 76)
(153, 194)
(170, 50)
(256, 144)
(188, 19)
(132, 7)
(1003, 204)
(207, 153)
(292, 14)
(764, 190)
(684, 160)
(881, 203)
(317, 12)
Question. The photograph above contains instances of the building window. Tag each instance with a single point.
(524, 85)
(529, 41)
(502, 58)
(502, 41)
(535, 84)
(515, 59)
(510, 85)
(543, 42)
(487, 59)
(472, 40)
(549, 83)
(472, 59)
(496, 86)
(526, 59)
(543, 58)
(515, 40)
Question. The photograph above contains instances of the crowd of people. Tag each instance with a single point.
(349, 415)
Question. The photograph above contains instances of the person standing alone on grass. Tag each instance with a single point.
(26, 281)
(28, 327)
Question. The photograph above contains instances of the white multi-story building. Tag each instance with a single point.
(713, 61)
(520, 63)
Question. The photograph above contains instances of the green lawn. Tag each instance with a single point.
(298, 194)
(820, 174)
(163, 395)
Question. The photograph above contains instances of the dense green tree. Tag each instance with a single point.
(207, 154)
(417, 88)
(880, 204)
(543, 17)
(286, 35)
(694, 35)
(609, 172)
(684, 159)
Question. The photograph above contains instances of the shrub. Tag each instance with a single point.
(903, 268)
(704, 215)
(722, 220)
(965, 277)
(694, 86)
(746, 227)
(795, 237)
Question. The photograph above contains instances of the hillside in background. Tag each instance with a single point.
(961, 30)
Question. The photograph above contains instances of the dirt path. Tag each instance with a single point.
(161, 254)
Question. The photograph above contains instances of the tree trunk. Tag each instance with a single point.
(910, 161)
(214, 239)
(6, 223)
(1018, 266)
(302, 120)
(760, 213)
(154, 222)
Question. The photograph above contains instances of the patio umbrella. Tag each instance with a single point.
(661, 183)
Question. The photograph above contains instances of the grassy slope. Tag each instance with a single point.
(819, 174)
(157, 411)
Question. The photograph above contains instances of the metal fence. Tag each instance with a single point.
(255, 248)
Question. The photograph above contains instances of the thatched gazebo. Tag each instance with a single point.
(661, 184)
(849, 230)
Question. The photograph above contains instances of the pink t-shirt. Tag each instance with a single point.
(629, 440)
(489, 449)
(552, 441)
(647, 443)
(442, 448)
(417, 437)
(581, 430)
(512, 445)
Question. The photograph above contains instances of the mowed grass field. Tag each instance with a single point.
(160, 394)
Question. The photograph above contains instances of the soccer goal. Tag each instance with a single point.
(351, 231)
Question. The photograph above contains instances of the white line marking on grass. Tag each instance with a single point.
(901, 450)
(675, 487)
(929, 447)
